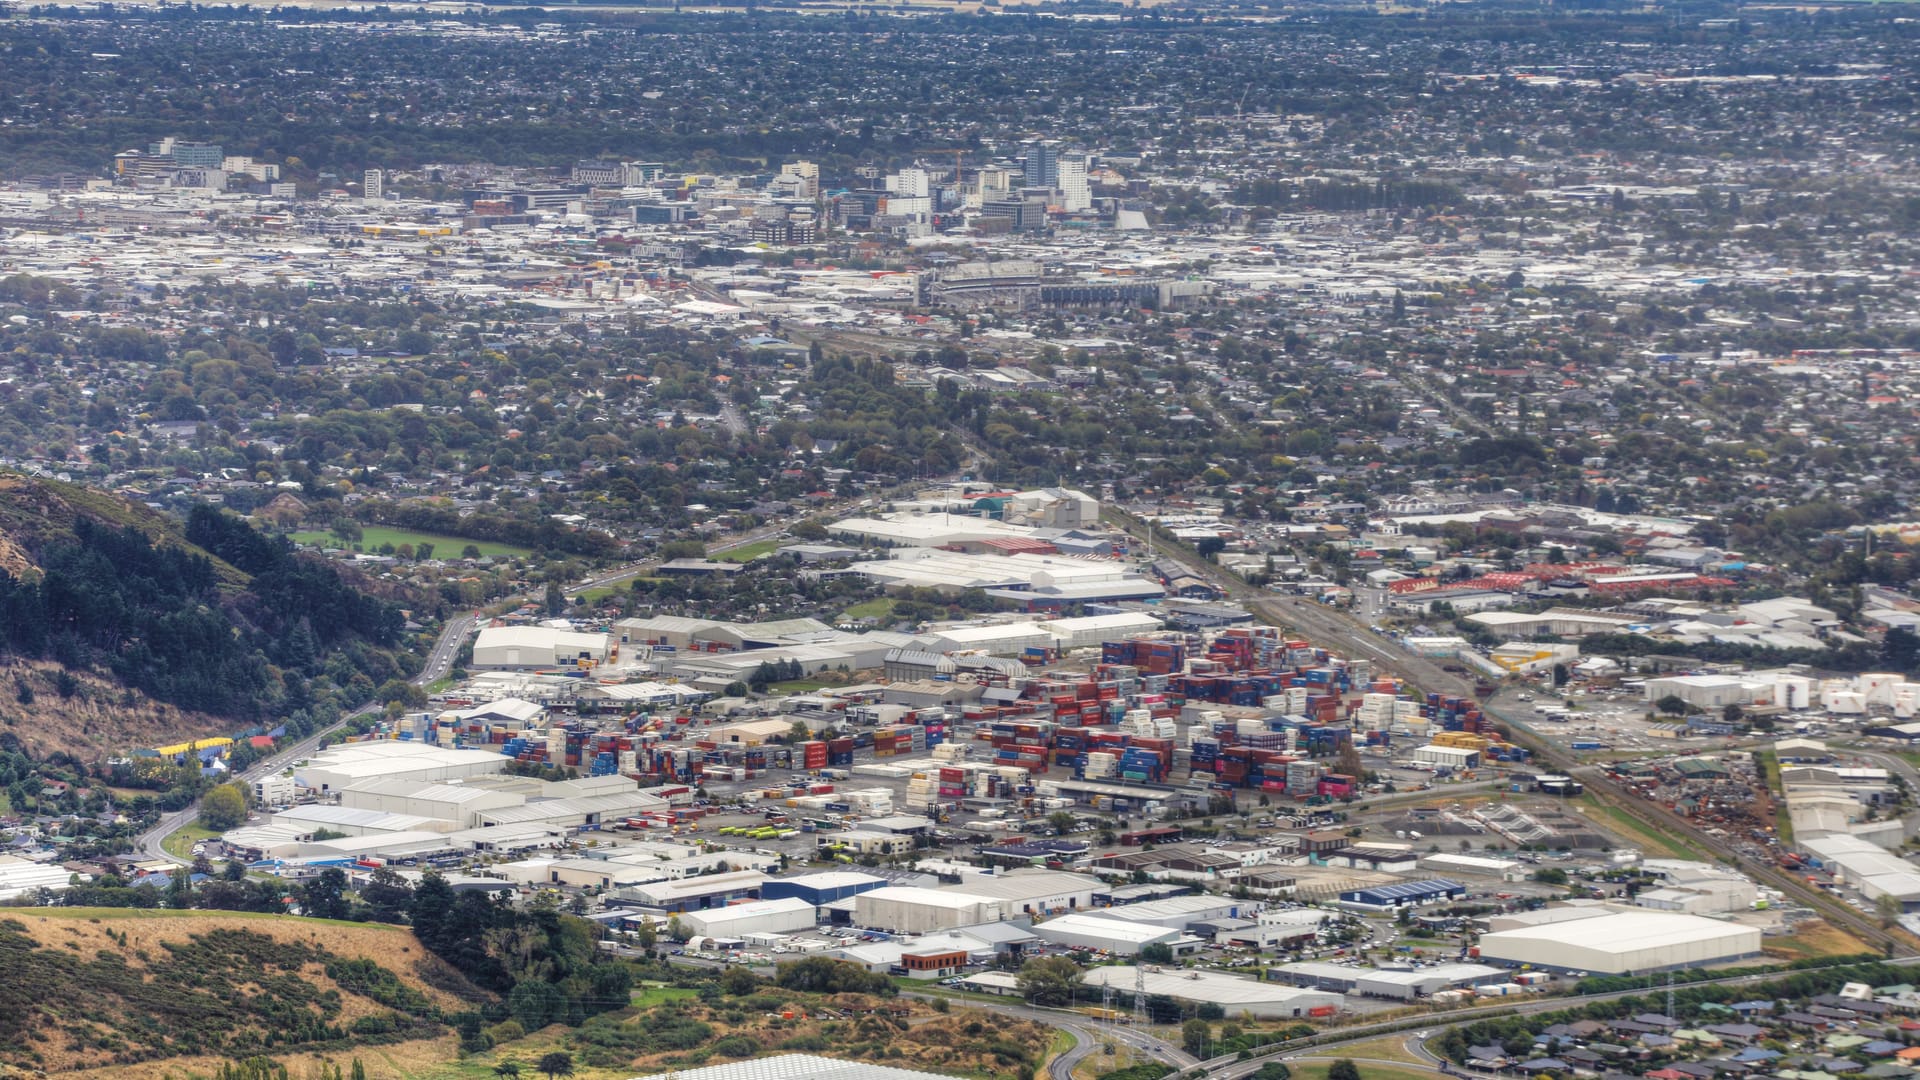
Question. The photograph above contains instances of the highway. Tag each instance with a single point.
(1230, 1067)
(438, 663)
(1336, 630)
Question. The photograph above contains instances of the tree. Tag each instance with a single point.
(1048, 980)
(507, 1068)
(1888, 908)
(1672, 705)
(325, 897)
(225, 807)
(1343, 1069)
(738, 981)
(1062, 822)
(388, 894)
(560, 1063)
(1194, 1036)
(1157, 953)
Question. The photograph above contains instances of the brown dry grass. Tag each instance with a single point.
(101, 718)
(87, 929)
(1814, 939)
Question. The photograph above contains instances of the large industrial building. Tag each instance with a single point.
(1611, 941)
(1104, 930)
(528, 648)
(905, 909)
(1874, 870)
(1238, 997)
(759, 917)
(353, 763)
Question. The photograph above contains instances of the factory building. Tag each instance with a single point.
(694, 893)
(1093, 631)
(1238, 997)
(912, 910)
(1873, 870)
(760, 917)
(1033, 892)
(823, 888)
(1701, 691)
(1104, 929)
(1613, 941)
(348, 764)
(528, 648)
(1401, 894)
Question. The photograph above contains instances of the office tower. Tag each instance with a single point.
(1043, 164)
(1075, 194)
(373, 186)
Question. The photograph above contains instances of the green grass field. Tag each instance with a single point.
(1659, 845)
(444, 547)
(180, 844)
(646, 997)
(797, 686)
(748, 552)
(881, 609)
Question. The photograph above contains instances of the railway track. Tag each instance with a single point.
(1334, 629)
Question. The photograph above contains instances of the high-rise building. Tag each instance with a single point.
(995, 183)
(913, 183)
(197, 155)
(374, 185)
(1043, 164)
(1075, 193)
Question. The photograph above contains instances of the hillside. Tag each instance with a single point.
(95, 718)
(207, 615)
(122, 993)
(35, 511)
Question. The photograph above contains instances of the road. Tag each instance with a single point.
(438, 663)
(1330, 627)
(1230, 1067)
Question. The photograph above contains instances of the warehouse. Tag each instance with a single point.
(822, 888)
(1451, 757)
(1408, 984)
(662, 631)
(696, 893)
(576, 812)
(21, 876)
(351, 822)
(1873, 870)
(924, 530)
(795, 1067)
(460, 804)
(1701, 691)
(1033, 892)
(1103, 930)
(1237, 997)
(951, 572)
(1559, 622)
(1481, 865)
(1283, 928)
(760, 917)
(1005, 639)
(910, 910)
(1616, 942)
(1092, 631)
(529, 648)
(1402, 894)
(1180, 912)
(353, 763)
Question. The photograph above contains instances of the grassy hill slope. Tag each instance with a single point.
(35, 510)
(125, 993)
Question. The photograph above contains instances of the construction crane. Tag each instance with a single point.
(957, 152)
